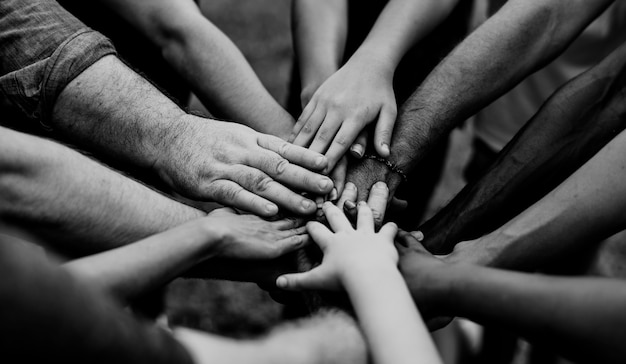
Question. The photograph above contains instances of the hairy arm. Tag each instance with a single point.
(83, 207)
(573, 125)
(212, 65)
(520, 38)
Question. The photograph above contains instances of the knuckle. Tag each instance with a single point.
(281, 166)
(284, 148)
(323, 135)
(262, 183)
(342, 141)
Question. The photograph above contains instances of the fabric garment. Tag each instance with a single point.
(500, 121)
(49, 316)
(43, 49)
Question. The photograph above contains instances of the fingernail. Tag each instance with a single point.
(306, 204)
(281, 282)
(325, 183)
(419, 235)
(349, 205)
(357, 150)
(271, 208)
(319, 201)
(349, 186)
(319, 161)
(380, 184)
(333, 195)
(385, 148)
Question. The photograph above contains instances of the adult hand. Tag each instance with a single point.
(365, 173)
(251, 237)
(236, 166)
(344, 248)
(421, 271)
(359, 93)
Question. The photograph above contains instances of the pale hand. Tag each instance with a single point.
(345, 249)
(211, 160)
(359, 93)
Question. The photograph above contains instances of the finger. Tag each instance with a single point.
(289, 223)
(336, 219)
(377, 201)
(364, 221)
(304, 117)
(418, 235)
(230, 193)
(338, 175)
(384, 129)
(319, 233)
(293, 153)
(340, 144)
(263, 185)
(326, 134)
(358, 147)
(389, 231)
(309, 129)
(300, 281)
(290, 244)
(408, 240)
(348, 194)
(290, 174)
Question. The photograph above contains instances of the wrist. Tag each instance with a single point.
(375, 59)
(355, 271)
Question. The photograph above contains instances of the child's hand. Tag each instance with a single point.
(252, 237)
(359, 93)
(346, 250)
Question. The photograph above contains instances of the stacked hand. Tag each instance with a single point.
(236, 166)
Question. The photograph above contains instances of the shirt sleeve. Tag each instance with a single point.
(48, 316)
(43, 48)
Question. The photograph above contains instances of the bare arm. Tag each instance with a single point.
(212, 65)
(520, 38)
(362, 90)
(80, 205)
(582, 318)
(129, 271)
(573, 125)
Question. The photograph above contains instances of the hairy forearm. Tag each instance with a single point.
(132, 270)
(522, 37)
(82, 206)
(212, 65)
(391, 323)
(581, 317)
(574, 124)
(320, 29)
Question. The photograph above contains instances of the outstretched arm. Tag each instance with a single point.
(79, 205)
(362, 90)
(212, 65)
(519, 39)
(573, 125)
(582, 318)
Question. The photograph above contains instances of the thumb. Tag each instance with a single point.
(384, 129)
(300, 281)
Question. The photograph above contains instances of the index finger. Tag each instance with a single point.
(293, 153)
(377, 201)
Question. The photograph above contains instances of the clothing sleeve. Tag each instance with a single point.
(48, 316)
(42, 48)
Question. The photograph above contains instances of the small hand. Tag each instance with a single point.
(344, 249)
(356, 95)
(251, 237)
(236, 166)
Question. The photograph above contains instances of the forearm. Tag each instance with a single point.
(581, 317)
(573, 125)
(401, 24)
(588, 206)
(519, 39)
(129, 271)
(320, 29)
(49, 316)
(212, 65)
(80, 205)
(391, 323)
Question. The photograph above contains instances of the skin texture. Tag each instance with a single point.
(114, 113)
(208, 61)
(135, 269)
(581, 318)
(79, 206)
(361, 91)
(364, 264)
(106, 333)
(572, 126)
(519, 39)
